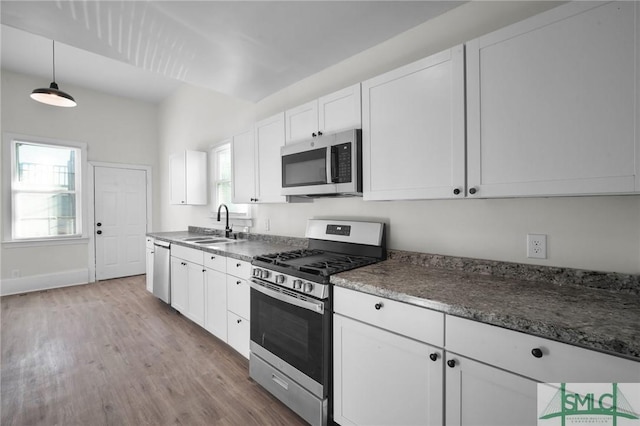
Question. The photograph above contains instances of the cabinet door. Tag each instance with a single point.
(243, 167)
(340, 110)
(215, 318)
(177, 181)
(238, 334)
(196, 177)
(301, 122)
(381, 378)
(269, 138)
(179, 280)
(195, 293)
(553, 103)
(149, 272)
(238, 296)
(413, 134)
(478, 394)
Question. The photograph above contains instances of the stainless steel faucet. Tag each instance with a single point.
(227, 230)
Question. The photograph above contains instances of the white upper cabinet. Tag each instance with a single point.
(413, 130)
(243, 167)
(331, 113)
(188, 177)
(553, 104)
(256, 162)
(269, 137)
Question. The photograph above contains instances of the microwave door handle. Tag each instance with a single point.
(332, 168)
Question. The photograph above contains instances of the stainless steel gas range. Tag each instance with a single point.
(291, 311)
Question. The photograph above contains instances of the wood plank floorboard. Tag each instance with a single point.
(110, 353)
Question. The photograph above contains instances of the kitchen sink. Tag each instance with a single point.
(216, 241)
(192, 239)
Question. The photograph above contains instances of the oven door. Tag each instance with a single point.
(291, 332)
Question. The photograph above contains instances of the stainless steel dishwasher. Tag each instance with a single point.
(162, 271)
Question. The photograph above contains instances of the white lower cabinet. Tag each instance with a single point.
(179, 278)
(381, 376)
(492, 374)
(215, 295)
(392, 367)
(238, 305)
(149, 251)
(238, 333)
(479, 394)
(187, 283)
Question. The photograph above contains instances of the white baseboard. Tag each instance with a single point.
(43, 282)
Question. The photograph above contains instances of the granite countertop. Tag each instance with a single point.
(245, 248)
(594, 318)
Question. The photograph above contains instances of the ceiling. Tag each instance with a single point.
(147, 49)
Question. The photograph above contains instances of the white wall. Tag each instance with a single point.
(598, 233)
(195, 119)
(116, 130)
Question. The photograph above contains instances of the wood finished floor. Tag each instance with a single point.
(110, 353)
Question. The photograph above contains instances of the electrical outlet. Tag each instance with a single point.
(537, 246)
(15, 273)
(267, 224)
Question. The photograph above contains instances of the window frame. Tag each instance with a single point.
(222, 146)
(10, 141)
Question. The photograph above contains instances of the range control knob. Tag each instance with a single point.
(308, 287)
(297, 284)
(264, 274)
(256, 272)
(279, 279)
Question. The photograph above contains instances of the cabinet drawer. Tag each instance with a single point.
(512, 350)
(239, 268)
(215, 261)
(192, 255)
(149, 242)
(238, 333)
(238, 294)
(411, 321)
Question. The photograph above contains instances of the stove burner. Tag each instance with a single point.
(316, 262)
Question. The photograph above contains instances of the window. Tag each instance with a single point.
(45, 190)
(222, 185)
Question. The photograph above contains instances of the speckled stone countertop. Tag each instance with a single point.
(576, 313)
(245, 248)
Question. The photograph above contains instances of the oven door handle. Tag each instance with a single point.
(317, 307)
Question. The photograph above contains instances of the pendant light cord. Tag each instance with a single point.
(53, 43)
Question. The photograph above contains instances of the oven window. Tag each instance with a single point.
(295, 335)
(305, 168)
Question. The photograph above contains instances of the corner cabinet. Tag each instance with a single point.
(413, 130)
(337, 111)
(188, 178)
(553, 104)
(388, 361)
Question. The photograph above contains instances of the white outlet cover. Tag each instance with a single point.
(537, 246)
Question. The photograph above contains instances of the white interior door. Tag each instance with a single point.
(120, 221)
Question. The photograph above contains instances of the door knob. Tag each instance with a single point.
(99, 232)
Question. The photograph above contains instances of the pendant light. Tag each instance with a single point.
(52, 95)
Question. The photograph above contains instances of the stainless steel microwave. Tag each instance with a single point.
(330, 164)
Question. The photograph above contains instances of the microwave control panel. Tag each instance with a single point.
(341, 163)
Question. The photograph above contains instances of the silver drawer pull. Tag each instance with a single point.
(279, 381)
